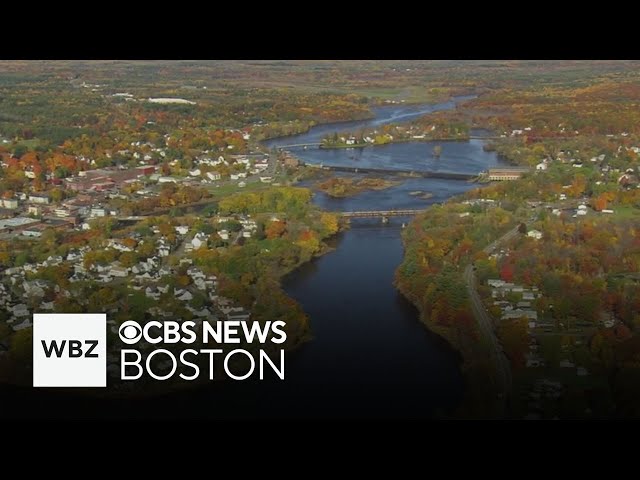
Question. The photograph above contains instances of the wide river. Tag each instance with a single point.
(370, 355)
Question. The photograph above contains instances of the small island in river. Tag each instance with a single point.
(344, 187)
(421, 194)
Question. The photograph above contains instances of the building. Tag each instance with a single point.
(34, 210)
(10, 203)
(16, 223)
(118, 271)
(534, 234)
(145, 169)
(103, 186)
(65, 211)
(40, 199)
(167, 180)
(199, 240)
(507, 173)
(98, 212)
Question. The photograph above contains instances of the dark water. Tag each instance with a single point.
(370, 356)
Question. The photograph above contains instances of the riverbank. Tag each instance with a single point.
(438, 245)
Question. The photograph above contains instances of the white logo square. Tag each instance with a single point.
(69, 350)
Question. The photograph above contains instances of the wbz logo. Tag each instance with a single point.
(69, 350)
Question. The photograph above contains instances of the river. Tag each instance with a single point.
(370, 357)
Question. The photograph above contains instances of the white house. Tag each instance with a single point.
(118, 271)
(534, 234)
(541, 166)
(167, 180)
(42, 199)
(199, 240)
(213, 176)
(26, 323)
(20, 310)
(98, 212)
(185, 296)
(10, 203)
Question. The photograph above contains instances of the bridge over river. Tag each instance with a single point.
(381, 213)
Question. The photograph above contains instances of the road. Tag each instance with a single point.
(485, 324)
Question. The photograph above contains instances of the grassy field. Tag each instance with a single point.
(625, 212)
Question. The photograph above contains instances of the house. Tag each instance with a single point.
(118, 271)
(98, 212)
(46, 306)
(34, 210)
(26, 323)
(152, 292)
(534, 234)
(223, 234)
(182, 229)
(33, 231)
(185, 295)
(20, 310)
(146, 169)
(242, 184)
(541, 166)
(115, 244)
(167, 180)
(266, 179)
(199, 240)
(195, 173)
(519, 313)
(34, 288)
(40, 199)
(241, 317)
(214, 176)
(10, 203)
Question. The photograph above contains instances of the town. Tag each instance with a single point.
(188, 191)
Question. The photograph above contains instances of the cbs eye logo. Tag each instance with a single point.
(130, 332)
